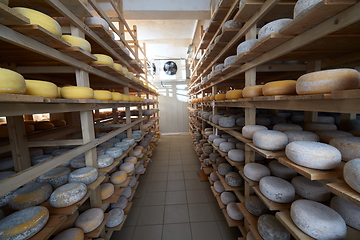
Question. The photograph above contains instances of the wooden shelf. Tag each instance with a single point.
(238, 136)
(343, 190)
(78, 53)
(285, 219)
(114, 197)
(270, 42)
(128, 208)
(96, 233)
(272, 206)
(227, 187)
(124, 184)
(231, 222)
(251, 219)
(267, 154)
(239, 195)
(233, 163)
(117, 228)
(220, 203)
(9, 16)
(53, 223)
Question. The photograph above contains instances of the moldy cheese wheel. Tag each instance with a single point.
(234, 94)
(252, 91)
(11, 82)
(327, 81)
(285, 87)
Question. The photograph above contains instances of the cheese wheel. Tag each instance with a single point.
(219, 187)
(301, 136)
(229, 60)
(90, 219)
(236, 155)
(118, 177)
(102, 95)
(77, 92)
(121, 203)
(40, 159)
(220, 96)
(212, 98)
(97, 21)
(11, 82)
(285, 87)
(326, 136)
(103, 59)
(24, 224)
(282, 127)
(131, 141)
(58, 122)
(279, 170)
(77, 42)
(68, 194)
(351, 174)
(327, 81)
(273, 27)
(55, 177)
(114, 152)
(29, 127)
(234, 212)
(234, 94)
(43, 125)
(255, 206)
(118, 67)
(132, 182)
(107, 189)
(104, 161)
(256, 171)
(224, 168)
(312, 190)
(270, 140)
(249, 130)
(348, 146)
(271, 229)
(128, 167)
(116, 217)
(126, 192)
(347, 210)
(70, 234)
(233, 179)
(227, 197)
(246, 46)
(123, 145)
(116, 96)
(85, 175)
(277, 189)
(252, 91)
(318, 126)
(303, 6)
(78, 163)
(40, 19)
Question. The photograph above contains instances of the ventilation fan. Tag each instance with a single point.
(170, 68)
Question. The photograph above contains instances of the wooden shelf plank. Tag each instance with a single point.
(285, 219)
(238, 136)
(54, 222)
(233, 163)
(246, 57)
(273, 206)
(249, 181)
(267, 154)
(227, 187)
(96, 233)
(92, 186)
(77, 7)
(343, 190)
(78, 53)
(231, 222)
(128, 208)
(270, 42)
(6, 97)
(314, 174)
(228, 34)
(220, 203)
(239, 195)
(9, 16)
(117, 228)
(114, 197)
(355, 93)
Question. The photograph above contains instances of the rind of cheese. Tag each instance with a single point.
(40, 19)
(29, 127)
(212, 98)
(220, 96)
(90, 219)
(70, 234)
(104, 160)
(118, 67)
(56, 177)
(128, 167)
(102, 95)
(24, 224)
(273, 27)
(118, 177)
(96, 21)
(107, 189)
(285, 87)
(77, 42)
(348, 146)
(234, 94)
(116, 96)
(85, 175)
(327, 81)
(103, 59)
(68, 194)
(76, 92)
(252, 91)
(11, 82)
(116, 217)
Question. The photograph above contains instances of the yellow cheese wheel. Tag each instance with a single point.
(107, 189)
(285, 87)
(206, 99)
(118, 67)
(70, 234)
(43, 125)
(252, 91)
(77, 42)
(59, 92)
(125, 98)
(132, 98)
(103, 59)
(77, 92)
(29, 127)
(234, 94)
(116, 96)
(212, 98)
(11, 82)
(58, 122)
(41, 88)
(220, 96)
(125, 70)
(118, 177)
(102, 95)
(40, 19)
(4, 131)
(327, 81)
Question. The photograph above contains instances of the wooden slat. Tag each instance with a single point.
(267, 154)
(92, 186)
(239, 195)
(343, 190)
(251, 219)
(233, 163)
(231, 222)
(128, 208)
(77, 7)
(9, 16)
(6, 97)
(355, 93)
(96, 232)
(54, 222)
(246, 57)
(78, 53)
(270, 42)
(285, 219)
(238, 136)
(273, 206)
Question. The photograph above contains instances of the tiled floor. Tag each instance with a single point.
(171, 203)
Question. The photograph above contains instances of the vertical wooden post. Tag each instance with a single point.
(121, 24)
(344, 120)
(140, 112)
(312, 66)
(127, 114)
(114, 115)
(136, 44)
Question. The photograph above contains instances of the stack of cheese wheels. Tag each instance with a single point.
(75, 92)
(327, 81)
(103, 59)
(285, 87)
(11, 82)
(102, 95)
(252, 91)
(77, 42)
(41, 88)
(234, 94)
(220, 96)
(40, 19)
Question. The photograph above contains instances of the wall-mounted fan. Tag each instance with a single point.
(170, 68)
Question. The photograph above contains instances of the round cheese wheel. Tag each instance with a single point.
(318, 126)
(77, 42)
(219, 68)
(226, 146)
(69, 222)
(229, 60)
(58, 122)
(78, 163)
(313, 154)
(271, 229)
(114, 152)
(348, 146)
(224, 168)
(116, 96)
(116, 217)
(279, 170)
(11, 82)
(24, 224)
(214, 177)
(327, 81)
(131, 141)
(219, 187)
(227, 197)
(43, 125)
(40, 19)
(312, 190)
(249, 130)
(107, 189)
(326, 135)
(227, 122)
(128, 167)
(234, 94)
(256, 171)
(303, 6)
(294, 135)
(102, 95)
(252, 91)
(273, 27)
(90, 219)
(234, 212)
(255, 206)
(40, 159)
(103, 59)
(220, 96)
(270, 140)
(233, 179)
(351, 174)
(277, 189)
(118, 67)
(30, 195)
(127, 192)
(85, 175)
(68, 194)
(77, 92)
(317, 220)
(282, 127)
(263, 121)
(132, 182)
(118, 177)
(246, 46)
(236, 155)
(121, 203)
(285, 87)
(131, 159)
(347, 210)
(104, 161)
(55, 177)
(70, 234)
(326, 119)
(217, 141)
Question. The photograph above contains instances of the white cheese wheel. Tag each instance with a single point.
(318, 126)
(102, 95)
(294, 136)
(246, 46)
(56, 177)
(227, 122)
(123, 145)
(279, 170)
(256, 171)
(40, 159)
(326, 119)
(233, 179)
(326, 135)
(132, 182)
(40, 19)
(140, 168)
(226, 146)
(90, 219)
(77, 92)
(231, 24)
(249, 130)
(118, 177)
(68, 194)
(252, 91)
(104, 161)
(277, 189)
(303, 6)
(137, 152)
(127, 192)
(236, 155)
(215, 118)
(347, 210)
(240, 122)
(219, 187)
(114, 152)
(41, 88)
(327, 81)
(313, 154)
(214, 177)
(220, 96)
(317, 220)
(24, 224)
(312, 190)
(229, 60)
(282, 127)
(348, 146)
(285, 87)
(131, 141)
(97, 21)
(352, 174)
(218, 141)
(6, 163)
(121, 203)
(30, 195)
(103, 59)
(107, 189)
(77, 42)
(116, 217)
(219, 68)
(85, 175)
(270, 140)
(271, 229)
(255, 206)
(78, 163)
(70, 234)
(273, 27)
(234, 212)
(127, 167)
(227, 197)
